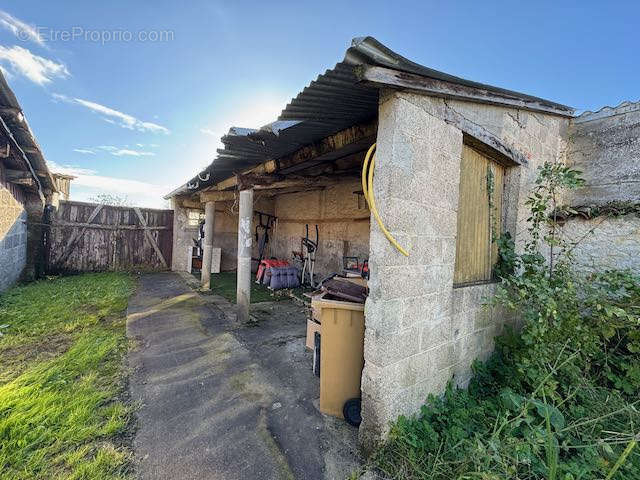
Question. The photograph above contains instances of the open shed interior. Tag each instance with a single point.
(337, 207)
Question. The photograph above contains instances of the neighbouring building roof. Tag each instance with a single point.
(339, 98)
(608, 111)
(24, 151)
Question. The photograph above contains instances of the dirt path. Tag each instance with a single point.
(226, 401)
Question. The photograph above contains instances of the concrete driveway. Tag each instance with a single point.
(221, 400)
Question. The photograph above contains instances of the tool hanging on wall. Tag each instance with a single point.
(310, 248)
(265, 223)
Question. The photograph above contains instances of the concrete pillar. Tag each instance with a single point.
(209, 221)
(243, 291)
(410, 346)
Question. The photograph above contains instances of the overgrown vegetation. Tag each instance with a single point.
(62, 414)
(558, 401)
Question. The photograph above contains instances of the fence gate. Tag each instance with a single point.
(88, 237)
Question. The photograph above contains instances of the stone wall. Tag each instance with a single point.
(420, 330)
(605, 146)
(13, 233)
(342, 217)
(606, 242)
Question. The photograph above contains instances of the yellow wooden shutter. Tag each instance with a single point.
(476, 254)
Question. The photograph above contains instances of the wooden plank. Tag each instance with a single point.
(115, 240)
(476, 253)
(72, 240)
(215, 196)
(324, 220)
(107, 227)
(386, 77)
(276, 181)
(315, 151)
(149, 236)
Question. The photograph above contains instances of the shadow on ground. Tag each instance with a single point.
(224, 400)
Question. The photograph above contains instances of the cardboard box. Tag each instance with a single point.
(312, 328)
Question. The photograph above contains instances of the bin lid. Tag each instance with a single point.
(325, 303)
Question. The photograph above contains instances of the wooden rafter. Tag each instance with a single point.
(352, 138)
(386, 77)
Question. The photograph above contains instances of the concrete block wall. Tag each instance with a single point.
(342, 218)
(13, 234)
(420, 330)
(225, 235)
(183, 236)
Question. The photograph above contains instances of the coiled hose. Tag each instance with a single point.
(367, 189)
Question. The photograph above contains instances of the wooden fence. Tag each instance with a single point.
(87, 237)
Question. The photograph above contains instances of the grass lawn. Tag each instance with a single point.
(224, 284)
(62, 411)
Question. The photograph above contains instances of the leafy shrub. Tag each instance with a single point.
(557, 400)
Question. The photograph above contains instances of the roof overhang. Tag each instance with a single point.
(342, 97)
(24, 153)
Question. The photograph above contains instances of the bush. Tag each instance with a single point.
(558, 400)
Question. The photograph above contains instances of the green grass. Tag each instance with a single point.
(224, 284)
(62, 412)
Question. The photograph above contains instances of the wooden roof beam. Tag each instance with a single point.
(327, 145)
(216, 196)
(14, 175)
(386, 77)
(275, 181)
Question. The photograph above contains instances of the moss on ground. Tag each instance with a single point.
(224, 284)
(62, 379)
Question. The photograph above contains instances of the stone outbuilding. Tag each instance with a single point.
(454, 163)
(26, 186)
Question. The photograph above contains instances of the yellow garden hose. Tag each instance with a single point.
(367, 189)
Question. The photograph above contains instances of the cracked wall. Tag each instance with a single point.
(605, 146)
(420, 330)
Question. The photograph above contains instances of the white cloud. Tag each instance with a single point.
(112, 115)
(20, 29)
(120, 152)
(38, 69)
(132, 153)
(88, 183)
(254, 112)
(208, 131)
(84, 151)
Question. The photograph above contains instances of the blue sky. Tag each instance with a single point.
(133, 96)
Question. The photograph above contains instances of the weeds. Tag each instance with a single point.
(557, 401)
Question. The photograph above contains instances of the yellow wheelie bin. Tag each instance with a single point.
(341, 356)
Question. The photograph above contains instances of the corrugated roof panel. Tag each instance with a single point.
(332, 102)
